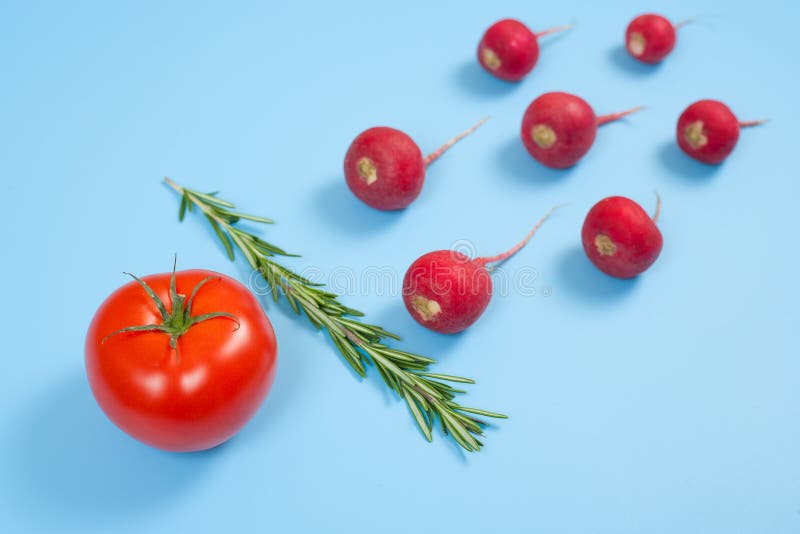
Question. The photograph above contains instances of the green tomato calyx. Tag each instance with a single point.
(179, 319)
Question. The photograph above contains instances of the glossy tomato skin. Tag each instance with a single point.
(198, 397)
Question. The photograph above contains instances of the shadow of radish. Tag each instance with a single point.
(682, 166)
(581, 279)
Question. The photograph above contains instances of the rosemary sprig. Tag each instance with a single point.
(429, 396)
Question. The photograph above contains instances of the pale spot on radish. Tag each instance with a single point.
(695, 135)
(367, 170)
(543, 135)
(426, 308)
(604, 245)
(637, 44)
(490, 59)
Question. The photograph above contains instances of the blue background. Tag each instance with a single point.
(665, 404)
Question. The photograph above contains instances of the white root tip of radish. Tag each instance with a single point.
(367, 170)
(543, 135)
(637, 44)
(425, 307)
(604, 245)
(695, 135)
(490, 59)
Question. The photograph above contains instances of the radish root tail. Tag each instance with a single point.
(516, 248)
(748, 124)
(556, 29)
(611, 117)
(433, 156)
(658, 207)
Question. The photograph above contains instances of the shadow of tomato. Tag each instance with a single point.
(68, 464)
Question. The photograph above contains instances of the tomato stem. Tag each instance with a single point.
(179, 320)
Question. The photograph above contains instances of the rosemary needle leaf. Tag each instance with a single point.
(484, 413)
(226, 241)
(422, 422)
(293, 303)
(211, 199)
(428, 395)
(253, 218)
(449, 378)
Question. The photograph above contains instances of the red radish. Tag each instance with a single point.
(620, 238)
(509, 50)
(559, 128)
(708, 131)
(650, 38)
(384, 167)
(446, 291)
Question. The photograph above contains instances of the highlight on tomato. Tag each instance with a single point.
(182, 360)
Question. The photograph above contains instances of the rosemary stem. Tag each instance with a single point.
(428, 395)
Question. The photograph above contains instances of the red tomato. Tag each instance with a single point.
(199, 393)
